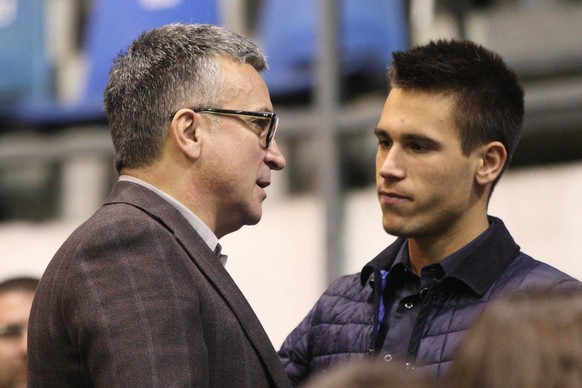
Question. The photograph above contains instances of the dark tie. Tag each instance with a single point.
(217, 250)
(221, 257)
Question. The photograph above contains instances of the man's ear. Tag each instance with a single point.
(186, 132)
(492, 160)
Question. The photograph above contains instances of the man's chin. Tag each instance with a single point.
(394, 232)
(254, 220)
(254, 217)
(397, 229)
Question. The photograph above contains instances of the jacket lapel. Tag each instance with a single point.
(217, 275)
(209, 265)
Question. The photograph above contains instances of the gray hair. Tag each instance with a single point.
(165, 69)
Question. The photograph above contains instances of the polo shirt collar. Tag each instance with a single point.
(477, 265)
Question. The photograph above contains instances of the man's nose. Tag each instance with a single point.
(392, 165)
(274, 157)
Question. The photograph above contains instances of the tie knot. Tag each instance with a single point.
(217, 250)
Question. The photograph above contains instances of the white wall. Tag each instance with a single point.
(278, 263)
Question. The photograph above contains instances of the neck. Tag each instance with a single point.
(182, 188)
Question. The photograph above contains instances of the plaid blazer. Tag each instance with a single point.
(135, 298)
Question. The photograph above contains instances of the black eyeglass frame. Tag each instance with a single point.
(271, 116)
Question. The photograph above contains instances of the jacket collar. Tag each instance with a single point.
(478, 270)
(383, 261)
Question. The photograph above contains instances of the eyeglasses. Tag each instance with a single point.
(12, 331)
(266, 122)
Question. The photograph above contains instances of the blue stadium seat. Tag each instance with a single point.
(25, 72)
(369, 31)
(111, 27)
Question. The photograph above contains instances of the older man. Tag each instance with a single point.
(138, 296)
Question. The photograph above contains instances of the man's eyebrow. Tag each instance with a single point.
(408, 136)
(380, 132)
(420, 138)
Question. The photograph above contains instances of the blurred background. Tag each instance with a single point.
(327, 80)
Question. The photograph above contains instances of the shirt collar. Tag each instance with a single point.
(477, 265)
(199, 226)
(485, 261)
(455, 260)
(402, 265)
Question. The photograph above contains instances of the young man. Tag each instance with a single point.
(16, 296)
(448, 129)
(138, 295)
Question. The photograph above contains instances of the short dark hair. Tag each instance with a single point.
(163, 70)
(19, 284)
(489, 98)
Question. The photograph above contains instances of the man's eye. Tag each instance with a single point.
(420, 148)
(11, 331)
(260, 125)
(384, 143)
(416, 147)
